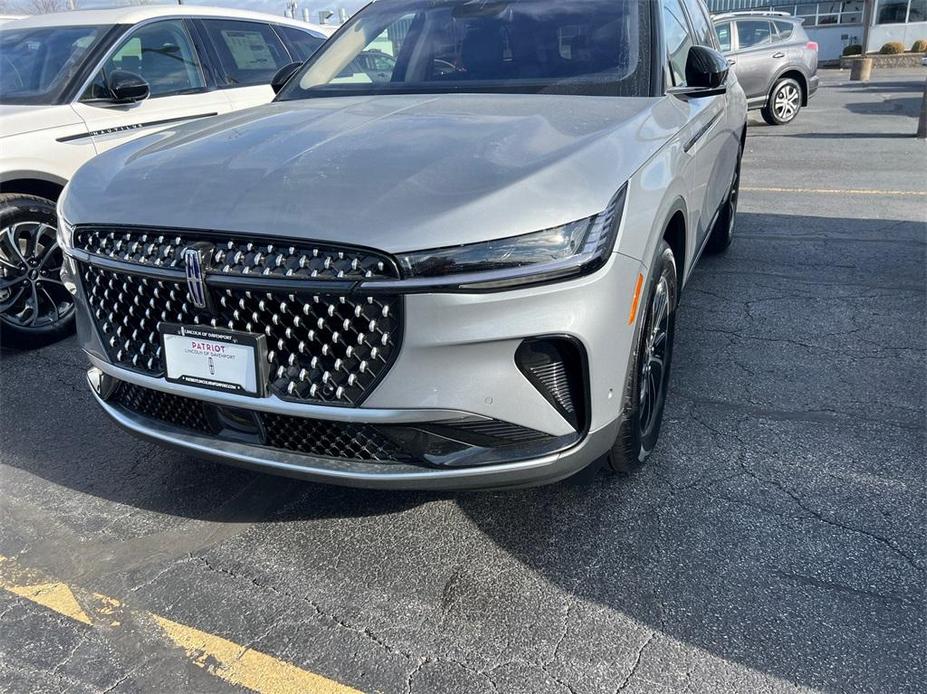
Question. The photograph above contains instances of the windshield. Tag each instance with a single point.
(594, 47)
(37, 64)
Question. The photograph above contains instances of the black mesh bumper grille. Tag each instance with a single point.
(309, 436)
(321, 348)
(185, 413)
(411, 444)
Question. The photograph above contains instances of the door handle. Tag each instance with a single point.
(731, 61)
(778, 54)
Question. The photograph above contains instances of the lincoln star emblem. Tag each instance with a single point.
(194, 258)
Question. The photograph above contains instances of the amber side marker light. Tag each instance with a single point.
(637, 298)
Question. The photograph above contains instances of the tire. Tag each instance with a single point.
(784, 102)
(723, 231)
(35, 307)
(640, 431)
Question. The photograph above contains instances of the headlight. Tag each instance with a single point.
(65, 230)
(570, 250)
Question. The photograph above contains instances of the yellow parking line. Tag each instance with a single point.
(836, 191)
(227, 660)
(54, 596)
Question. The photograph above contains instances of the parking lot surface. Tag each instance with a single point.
(775, 542)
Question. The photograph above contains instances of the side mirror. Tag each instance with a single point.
(127, 87)
(283, 76)
(706, 73)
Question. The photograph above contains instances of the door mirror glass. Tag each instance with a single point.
(127, 87)
(283, 76)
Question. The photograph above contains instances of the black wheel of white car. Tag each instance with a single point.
(648, 381)
(35, 307)
(723, 231)
(784, 102)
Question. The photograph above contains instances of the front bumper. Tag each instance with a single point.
(457, 361)
(813, 83)
(352, 473)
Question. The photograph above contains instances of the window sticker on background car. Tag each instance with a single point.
(248, 49)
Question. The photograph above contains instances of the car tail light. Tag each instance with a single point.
(813, 45)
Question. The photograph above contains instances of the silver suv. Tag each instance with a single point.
(464, 275)
(775, 62)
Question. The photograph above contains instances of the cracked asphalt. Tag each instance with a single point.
(774, 543)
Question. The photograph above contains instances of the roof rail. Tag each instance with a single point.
(751, 13)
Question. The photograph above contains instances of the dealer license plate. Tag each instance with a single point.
(214, 358)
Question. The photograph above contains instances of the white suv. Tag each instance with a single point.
(75, 84)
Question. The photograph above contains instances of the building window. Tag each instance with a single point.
(918, 11)
(892, 12)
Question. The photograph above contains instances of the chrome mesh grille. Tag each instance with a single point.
(322, 348)
(232, 256)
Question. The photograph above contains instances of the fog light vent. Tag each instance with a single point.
(556, 367)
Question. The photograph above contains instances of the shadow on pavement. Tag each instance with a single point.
(730, 539)
(780, 523)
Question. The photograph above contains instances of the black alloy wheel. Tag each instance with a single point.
(648, 381)
(35, 307)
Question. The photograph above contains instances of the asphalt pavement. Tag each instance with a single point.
(774, 543)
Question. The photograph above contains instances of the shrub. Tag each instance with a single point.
(854, 49)
(892, 48)
(920, 46)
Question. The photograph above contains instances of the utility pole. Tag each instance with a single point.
(868, 19)
(922, 124)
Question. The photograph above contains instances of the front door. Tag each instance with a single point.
(758, 57)
(162, 53)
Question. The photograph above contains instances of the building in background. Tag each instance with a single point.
(837, 24)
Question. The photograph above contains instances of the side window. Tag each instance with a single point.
(162, 54)
(250, 52)
(304, 43)
(724, 36)
(700, 23)
(678, 39)
(785, 30)
(753, 33)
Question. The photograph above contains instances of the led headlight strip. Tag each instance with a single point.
(571, 250)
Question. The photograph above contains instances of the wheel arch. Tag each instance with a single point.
(48, 187)
(675, 234)
(795, 74)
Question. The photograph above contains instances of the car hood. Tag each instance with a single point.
(21, 119)
(392, 172)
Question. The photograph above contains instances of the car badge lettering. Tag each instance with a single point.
(196, 283)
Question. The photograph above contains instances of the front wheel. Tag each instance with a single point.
(784, 102)
(648, 381)
(35, 307)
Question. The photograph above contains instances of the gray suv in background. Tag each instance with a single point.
(775, 61)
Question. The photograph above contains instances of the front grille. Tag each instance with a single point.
(231, 256)
(321, 347)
